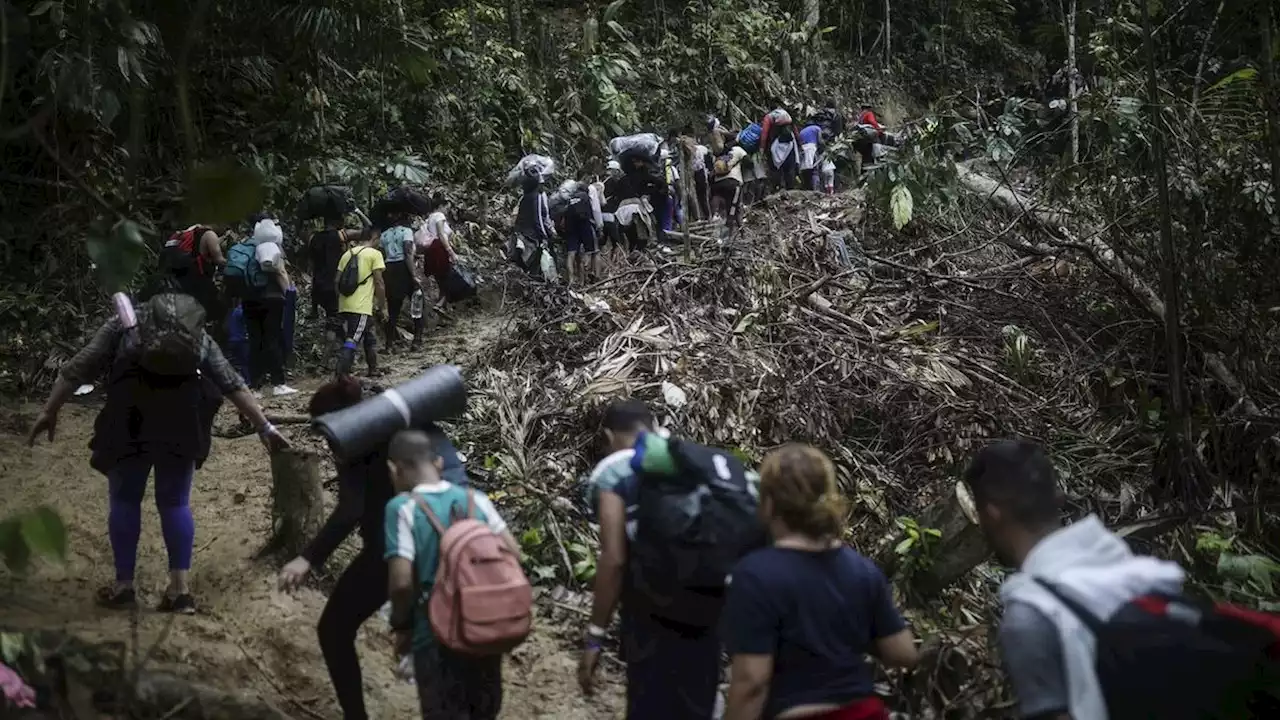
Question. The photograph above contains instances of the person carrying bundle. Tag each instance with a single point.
(779, 136)
(749, 139)
(726, 189)
(642, 179)
(533, 228)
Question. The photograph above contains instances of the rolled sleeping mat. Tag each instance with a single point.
(437, 394)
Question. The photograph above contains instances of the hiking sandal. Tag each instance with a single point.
(111, 598)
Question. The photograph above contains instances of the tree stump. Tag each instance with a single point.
(297, 500)
(960, 548)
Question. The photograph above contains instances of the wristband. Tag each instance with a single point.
(596, 632)
(266, 429)
(591, 643)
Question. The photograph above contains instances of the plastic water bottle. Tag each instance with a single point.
(415, 304)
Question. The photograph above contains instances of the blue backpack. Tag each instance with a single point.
(749, 138)
(243, 271)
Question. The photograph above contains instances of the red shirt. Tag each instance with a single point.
(869, 118)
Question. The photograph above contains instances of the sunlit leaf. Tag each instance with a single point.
(44, 533)
(117, 252)
(42, 8)
(223, 191)
(11, 647)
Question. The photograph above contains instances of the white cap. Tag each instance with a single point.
(614, 165)
(268, 231)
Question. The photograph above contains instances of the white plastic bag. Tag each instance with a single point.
(548, 265)
(536, 166)
(646, 143)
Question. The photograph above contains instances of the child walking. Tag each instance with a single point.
(451, 684)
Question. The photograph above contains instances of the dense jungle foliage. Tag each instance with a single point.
(1154, 128)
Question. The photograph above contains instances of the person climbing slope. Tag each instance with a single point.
(782, 147)
(451, 683)
(810, 149)
(802, 614)
(533, 225)
(726, 189)
(402, 274)
(325, 249)
(364, 489)
(189, 262)
(671, 648)
(166, 380)
(361, 292)
(434, 241)
(257, 276)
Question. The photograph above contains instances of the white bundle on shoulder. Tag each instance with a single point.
(539, 167)
(268, 238)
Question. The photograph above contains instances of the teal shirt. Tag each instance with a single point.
(410, 535)
(393, 242)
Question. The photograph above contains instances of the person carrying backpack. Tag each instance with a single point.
(669, 616)
(1091, 630)
(325, 249)
(726, 189)
(448, 545)
(256, 274)
(361, 293)
(403, 275)
(583, 223)
(803, 614)
(166, 380)
(364, 488)
(188, 263)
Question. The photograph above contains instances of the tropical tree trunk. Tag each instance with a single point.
(812, 15)
(888, 48)
(1072, 105)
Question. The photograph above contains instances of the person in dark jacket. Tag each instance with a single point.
(152, 420)
(364, 488)
(325, 248)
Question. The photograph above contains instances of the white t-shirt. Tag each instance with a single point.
(436, 226)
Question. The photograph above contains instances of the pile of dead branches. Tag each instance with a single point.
(897, 352)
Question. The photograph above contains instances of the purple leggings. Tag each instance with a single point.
(128, 483)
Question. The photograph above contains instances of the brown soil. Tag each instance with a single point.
(247, 635)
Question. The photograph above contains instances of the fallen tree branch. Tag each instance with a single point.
(1056, 223)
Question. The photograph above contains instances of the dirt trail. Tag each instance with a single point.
(247, 635)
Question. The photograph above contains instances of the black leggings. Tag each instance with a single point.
(399, 288)
(360, 591)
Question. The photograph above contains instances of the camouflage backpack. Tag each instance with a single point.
(171, 335)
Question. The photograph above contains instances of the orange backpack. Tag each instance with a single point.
(481, 602)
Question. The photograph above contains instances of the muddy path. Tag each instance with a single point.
(247, 636)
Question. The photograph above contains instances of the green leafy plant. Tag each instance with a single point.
(918, 546)
(39, 532)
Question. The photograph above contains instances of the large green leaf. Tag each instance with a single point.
(117, 251)
(224, 191)
(44, 533)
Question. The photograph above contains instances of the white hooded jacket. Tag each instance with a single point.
(1097, 569)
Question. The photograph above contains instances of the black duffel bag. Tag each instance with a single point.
(325, 201)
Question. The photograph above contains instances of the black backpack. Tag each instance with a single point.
(580, 205)
(692, 527)
(1174, 658)
(349, 279)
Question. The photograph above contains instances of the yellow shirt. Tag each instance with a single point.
(361, 301)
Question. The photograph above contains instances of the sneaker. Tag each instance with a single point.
(180, 605)
(279, 390)
(110, 597)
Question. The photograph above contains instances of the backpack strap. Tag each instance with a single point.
(1091, 621)
(426, 509)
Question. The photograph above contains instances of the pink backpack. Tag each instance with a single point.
(481, 602)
